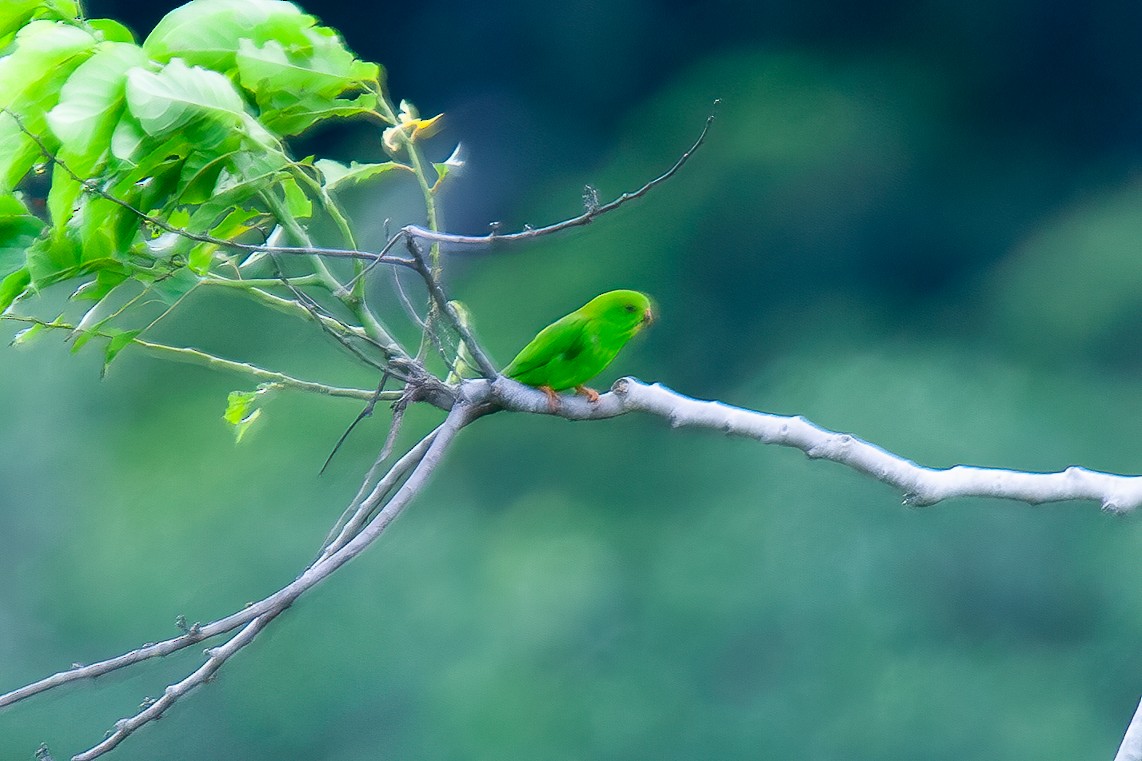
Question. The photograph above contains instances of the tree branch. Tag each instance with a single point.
(254, 617)
(205, 359)
(217, 657)
(593, 211)
(920, 485)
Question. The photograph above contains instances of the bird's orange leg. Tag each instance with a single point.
(552, 398)
(591, 394)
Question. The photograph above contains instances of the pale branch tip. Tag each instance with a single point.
(1131, 747)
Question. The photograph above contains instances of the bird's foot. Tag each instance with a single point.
(552, 398)
(591, 394)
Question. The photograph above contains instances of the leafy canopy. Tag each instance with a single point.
(112, 150)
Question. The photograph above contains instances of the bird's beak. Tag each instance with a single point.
(647, 317)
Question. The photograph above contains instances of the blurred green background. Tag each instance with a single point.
(917, 222)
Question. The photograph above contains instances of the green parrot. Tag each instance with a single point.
(572, 350)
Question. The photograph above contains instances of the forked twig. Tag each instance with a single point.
(592, 212)
(255, 617)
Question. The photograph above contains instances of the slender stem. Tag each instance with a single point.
(217, 657)
(435, 236)
(444, 305)
(205, 359)
(294, 307)
(368, 320)
(195, 356)
(263, 282)
(341, 220)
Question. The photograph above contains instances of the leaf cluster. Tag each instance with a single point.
(133, 171)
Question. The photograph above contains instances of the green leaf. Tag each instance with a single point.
(295, 88)
(27, 335)
(199, 176)
(31, 78)
(242, 409)
(179, 95)
(91, 101)
(128, 138)
(106, 229)
(106, 279)
(307, 110)
(119, 340)
(63, 196)
(232, 226)
(297, 202)
(18, 230)
(327, 70)
(52, 259)
(338, 176)
(207, 32)
(172, 287)
(14, 14)
(295, 70)
(13, 287)
(110, 30)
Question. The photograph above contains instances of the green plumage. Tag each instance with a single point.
(574, 349)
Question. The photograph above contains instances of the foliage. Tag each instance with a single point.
(165, 161)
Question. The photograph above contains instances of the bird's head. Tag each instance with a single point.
(629, 311)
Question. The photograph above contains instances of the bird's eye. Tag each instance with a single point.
(630, 307)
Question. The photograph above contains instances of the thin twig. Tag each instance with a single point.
(588, 216)
(205, 359)
(319, 571)
(351, 527)
(366, 412)
(423, 458)
(444, 304)
(216, 658)
(409, 309)
(321, 316)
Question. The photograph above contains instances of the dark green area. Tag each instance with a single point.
(917, 223)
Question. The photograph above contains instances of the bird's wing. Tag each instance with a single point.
(562, 337)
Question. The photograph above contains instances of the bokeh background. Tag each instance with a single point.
(917, 222)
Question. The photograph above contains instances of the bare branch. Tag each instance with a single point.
(351, 523)
(593, 210)
(921, 485)
(447, 308)
(199, 357)
(427, 457)
(216, 658)
(1131, 748)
